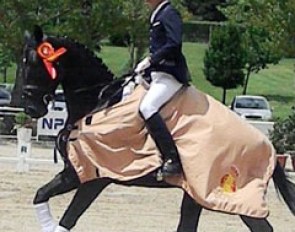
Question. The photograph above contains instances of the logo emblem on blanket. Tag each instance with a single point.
(228, 182)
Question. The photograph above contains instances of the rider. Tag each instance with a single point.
(168, 70)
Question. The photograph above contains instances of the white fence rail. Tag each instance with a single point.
(24, 155)
(9, 111)
(25, 159)
(47, 126)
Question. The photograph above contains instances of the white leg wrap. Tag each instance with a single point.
(61, 229)
(45, 218)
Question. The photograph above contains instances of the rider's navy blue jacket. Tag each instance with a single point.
(166, 43)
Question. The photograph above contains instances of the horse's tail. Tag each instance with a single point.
(285, 187)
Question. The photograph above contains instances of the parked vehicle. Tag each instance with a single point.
(7, 86)
(5, 97)
(252, 107)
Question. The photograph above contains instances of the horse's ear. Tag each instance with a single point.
(38, 34)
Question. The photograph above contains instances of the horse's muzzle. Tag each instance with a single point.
(35, 112)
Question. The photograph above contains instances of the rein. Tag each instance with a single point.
(107, 87)
(84, 89)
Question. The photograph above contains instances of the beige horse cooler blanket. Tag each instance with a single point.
(227, 163)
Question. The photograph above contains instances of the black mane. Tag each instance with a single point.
(83, 76)
(87, 56)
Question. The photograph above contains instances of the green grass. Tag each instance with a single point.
(115, 58)
(277, 83)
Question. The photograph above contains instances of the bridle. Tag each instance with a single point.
(33, 90)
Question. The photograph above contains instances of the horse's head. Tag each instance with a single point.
(40, 72)
(50, 61)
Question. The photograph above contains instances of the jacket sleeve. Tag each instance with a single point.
(172, 24)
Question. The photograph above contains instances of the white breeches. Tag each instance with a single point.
(162, 89)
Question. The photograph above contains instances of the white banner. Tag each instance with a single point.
(51, 123)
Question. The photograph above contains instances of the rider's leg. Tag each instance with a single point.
(190, 214)
(83, 198)
(164, 141)
(257, 224)
(63, 182)
(163, 87)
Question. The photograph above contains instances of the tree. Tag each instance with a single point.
(5, 62)
(58, 18)
(15, 16)
(259, 52)
(288, 13)
(133, 21)
(89, 21)
(268, 30)
(274, 16)
(207, 10)
(224, 59)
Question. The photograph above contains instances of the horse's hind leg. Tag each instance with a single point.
(83, 198)
(190, 214)
(63, 182)
(257, 224)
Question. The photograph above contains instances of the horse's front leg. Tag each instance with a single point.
(257, 224)
(63, 182)
(190, 214)
(83, 198)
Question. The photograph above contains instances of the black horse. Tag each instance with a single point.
(50, 61)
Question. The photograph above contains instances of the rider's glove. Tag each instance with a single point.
(143, 65)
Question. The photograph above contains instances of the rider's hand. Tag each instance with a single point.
(143, 65)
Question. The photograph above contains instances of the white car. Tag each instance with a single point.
(252, 107)
(7, 86)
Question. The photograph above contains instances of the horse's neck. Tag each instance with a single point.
(81, 93)
(83, 77)
(79, 103)
(87, 101)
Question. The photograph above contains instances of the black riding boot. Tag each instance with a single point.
(164, 141)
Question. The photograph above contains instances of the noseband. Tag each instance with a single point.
(36, 91)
